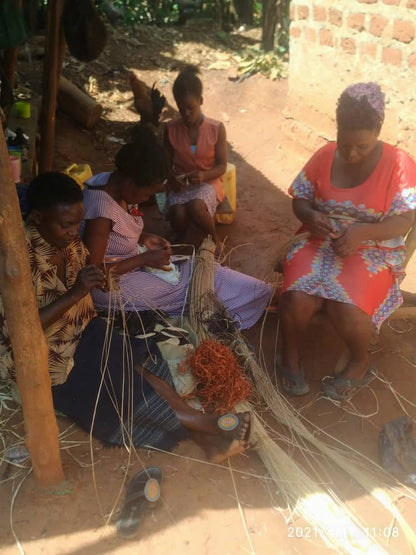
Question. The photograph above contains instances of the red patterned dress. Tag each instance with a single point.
(369, 278)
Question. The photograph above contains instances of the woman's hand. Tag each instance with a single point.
(88, 278)
(178, 183)
(159, 259)
(318, 224)
(349, 242)
(196, 177)
(154, 242)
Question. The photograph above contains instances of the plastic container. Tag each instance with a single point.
(230, 188)
(21, 110)
(79, 172)
(16, 165)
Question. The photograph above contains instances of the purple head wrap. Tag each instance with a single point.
(371, 92)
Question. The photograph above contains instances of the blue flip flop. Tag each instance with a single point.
(300, 385)
(331, 385)
(143, 491)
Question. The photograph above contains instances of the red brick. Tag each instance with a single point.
(335, 17)
(294, 32)
(377, 25)
(356, 21)
(292, 12)
(392, 56)
(369, 49)
(319, 13)
(303, 12)
(392, 2)
(411, 4)
(404, 31)
(411, 61)
(310, 34)
(326, 38)
(348, 44)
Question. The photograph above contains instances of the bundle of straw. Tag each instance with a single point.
(321, 509)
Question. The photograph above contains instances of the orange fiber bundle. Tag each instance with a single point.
(220, 381)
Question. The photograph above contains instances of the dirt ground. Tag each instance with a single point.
(206, 508)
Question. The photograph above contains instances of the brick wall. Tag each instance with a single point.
(334, 44)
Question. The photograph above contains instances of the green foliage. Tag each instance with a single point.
(254, 60)
(147, 11)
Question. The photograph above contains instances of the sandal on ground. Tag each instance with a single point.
(332, 385)
(298, 384)
(143, 491)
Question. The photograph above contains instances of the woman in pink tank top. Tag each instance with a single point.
(198, 153)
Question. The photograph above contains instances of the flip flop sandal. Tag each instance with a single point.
(143, 491)
(229, 422)
(299, 385)
(331, 385)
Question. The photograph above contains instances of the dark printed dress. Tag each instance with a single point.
(92, 364)
(369, 278)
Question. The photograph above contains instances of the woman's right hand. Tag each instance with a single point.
(159, 259)
(318, 224)
(88, 278)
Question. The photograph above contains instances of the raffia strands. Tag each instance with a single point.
(220, 382)
(321, 509)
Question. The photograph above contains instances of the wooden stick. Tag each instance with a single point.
(30, 349)
(51, 71)
(404, 313)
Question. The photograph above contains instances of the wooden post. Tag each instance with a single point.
(51, 71)
(30, 349)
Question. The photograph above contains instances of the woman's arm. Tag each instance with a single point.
(317, 223)
(87, 278)
(96, 235)
(390, 228)
(172, 183)
(220, 166)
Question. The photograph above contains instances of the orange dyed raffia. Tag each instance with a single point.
(220, 381)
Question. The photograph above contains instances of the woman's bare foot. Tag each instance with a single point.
(227, 443)
(220, 437)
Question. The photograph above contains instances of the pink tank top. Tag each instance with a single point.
(185, 161)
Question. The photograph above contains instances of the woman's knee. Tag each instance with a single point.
(197, 208)
(300, 303)
(349, 319)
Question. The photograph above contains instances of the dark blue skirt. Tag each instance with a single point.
(105, 395)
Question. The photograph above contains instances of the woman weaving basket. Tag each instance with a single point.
(356, 200)
(116, 386)
(113, 228)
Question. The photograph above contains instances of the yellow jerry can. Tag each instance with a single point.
(79, 172)
(226, 209)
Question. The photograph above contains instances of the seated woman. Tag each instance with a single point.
(113, 228)
(197, 150)
(356, 200)
(117, 387)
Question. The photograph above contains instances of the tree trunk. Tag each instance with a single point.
(51, 71)
(30, 349)
(269, 24)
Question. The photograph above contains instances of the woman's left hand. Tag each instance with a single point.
(154, 242)
(349, 242)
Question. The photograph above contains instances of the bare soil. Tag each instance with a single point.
(200, 507)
